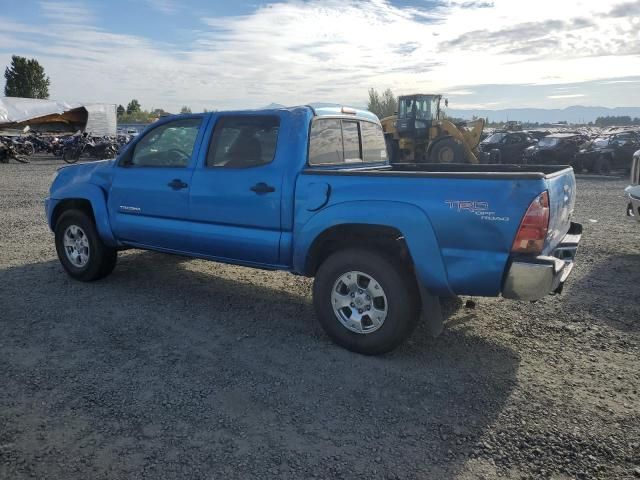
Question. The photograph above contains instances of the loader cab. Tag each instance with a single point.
(416, 114)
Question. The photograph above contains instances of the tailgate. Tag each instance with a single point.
(562, 198)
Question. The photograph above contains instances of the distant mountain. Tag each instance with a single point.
(575, 114)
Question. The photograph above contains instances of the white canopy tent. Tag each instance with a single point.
(98, 119)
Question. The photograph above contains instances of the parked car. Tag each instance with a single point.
(505, 147)
(604, 154)
(555, 149)
(311, 191)
(538, 134)
(633, 190)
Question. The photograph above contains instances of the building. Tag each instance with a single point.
(52, 116)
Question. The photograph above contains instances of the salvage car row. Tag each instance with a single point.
(599, 154)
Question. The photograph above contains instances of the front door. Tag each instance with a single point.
(149, 198)
(236, 191)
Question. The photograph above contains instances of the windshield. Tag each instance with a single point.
(425, 108)
(495, 138)
(548, 142)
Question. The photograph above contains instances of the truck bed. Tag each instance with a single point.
(473, 211)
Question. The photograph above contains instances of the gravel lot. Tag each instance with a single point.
(177, 368)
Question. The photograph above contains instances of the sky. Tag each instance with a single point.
(245, 54)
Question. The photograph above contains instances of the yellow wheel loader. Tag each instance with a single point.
(420, 133)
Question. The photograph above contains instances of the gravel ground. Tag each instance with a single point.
(176, 368)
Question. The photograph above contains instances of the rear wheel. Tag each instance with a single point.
(28, 149)
(69, 155)
(392, 149)
(447, 151)
(80, 249)
(365, 301)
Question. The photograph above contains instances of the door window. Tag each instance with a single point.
(243, 141)
(169, 145)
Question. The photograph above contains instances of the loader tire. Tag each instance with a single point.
(447, 151)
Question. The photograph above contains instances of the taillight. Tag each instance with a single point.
(533, 228)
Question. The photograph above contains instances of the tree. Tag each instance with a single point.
(133, 106)
(26, 78)
(120, 110)
(185, 109)
(382, 105)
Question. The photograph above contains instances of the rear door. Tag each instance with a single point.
(149, 197)
(235, 195)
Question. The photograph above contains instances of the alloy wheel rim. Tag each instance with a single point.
(359, 302)
(76, 246)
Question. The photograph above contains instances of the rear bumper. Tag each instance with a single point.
(534, 278)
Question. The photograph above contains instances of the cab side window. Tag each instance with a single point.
(169, 145)
(243, 141)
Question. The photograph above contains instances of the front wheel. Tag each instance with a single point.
(447, 150)
(80, 249)
(365, 301)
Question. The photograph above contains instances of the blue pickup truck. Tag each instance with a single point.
(310, 190)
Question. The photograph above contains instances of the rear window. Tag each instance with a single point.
(334, 142)
(351, 141)
(373, 147)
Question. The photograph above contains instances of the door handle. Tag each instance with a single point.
(177, 184)
(262, 188)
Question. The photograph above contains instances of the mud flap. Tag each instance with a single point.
(431, 312)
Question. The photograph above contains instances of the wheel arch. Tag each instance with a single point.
(347, 235)
(89, 199)
(404, 227)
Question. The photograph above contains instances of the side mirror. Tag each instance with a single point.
(446, 102)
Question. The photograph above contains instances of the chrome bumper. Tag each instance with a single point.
(534, 278)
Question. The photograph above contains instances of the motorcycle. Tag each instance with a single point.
(57, 145)
(81, 144)
(8, 152)
(39, 143)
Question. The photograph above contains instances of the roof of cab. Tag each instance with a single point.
(336, 110)
(318, 110)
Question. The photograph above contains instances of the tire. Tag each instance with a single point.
(392, 149)
(602, 166)
(28, 149)
(397, 295)
(68, 155)
(447, 151)
(495, 156)
(101, 259)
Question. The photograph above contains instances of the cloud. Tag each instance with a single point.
(64, 12)
(568, 95)
(626, 9)
(293, 52)
(168, 7)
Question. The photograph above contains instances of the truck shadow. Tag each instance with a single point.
(610, 290)
(163, 361)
